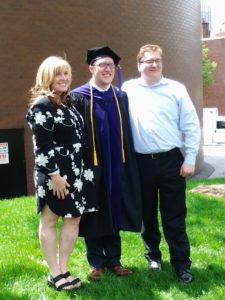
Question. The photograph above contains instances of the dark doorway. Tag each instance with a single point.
(12, 163)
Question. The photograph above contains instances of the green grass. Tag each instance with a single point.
(23, 272)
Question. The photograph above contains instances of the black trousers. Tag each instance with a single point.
(104, 252)
(163, 189)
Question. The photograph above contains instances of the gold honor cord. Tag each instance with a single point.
(121, 124)
(92, 126)
(92, 129)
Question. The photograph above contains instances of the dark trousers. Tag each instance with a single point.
(164, 189)
(104, 252)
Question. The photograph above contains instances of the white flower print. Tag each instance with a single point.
(59, 119)
(48, 114)
(65, 177)
(35, 173)
(84, 200)
(81, 209)
(51, 153)
(41, 160)
(82, 167)
(71, 113)
(77, 146)
(60, 112)
(77, 171)
(34, 143)
(68, 216)
(88, 175)
(41, 191)
(78, 184)
(58, 148)
(40, 118)
(50, 185)
(92, 209)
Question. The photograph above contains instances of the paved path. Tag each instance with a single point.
(214, 155)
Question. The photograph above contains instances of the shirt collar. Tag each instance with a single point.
(161, 81)
(98, 88)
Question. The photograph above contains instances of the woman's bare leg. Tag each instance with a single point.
(67, 240)
(47, 237)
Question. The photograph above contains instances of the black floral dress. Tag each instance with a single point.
(58, 135)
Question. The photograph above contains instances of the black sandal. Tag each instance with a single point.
(53, 280)
(73, 282)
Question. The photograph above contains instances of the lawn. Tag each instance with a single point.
(23, 271)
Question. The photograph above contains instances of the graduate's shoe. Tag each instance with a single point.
(155, 265)
(184, 276)
(120, 271)
(95, 274)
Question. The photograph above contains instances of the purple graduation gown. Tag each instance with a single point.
(116, 187)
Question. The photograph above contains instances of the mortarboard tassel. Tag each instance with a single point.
(119, 79)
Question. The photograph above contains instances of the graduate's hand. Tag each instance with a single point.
(59, 186)
(187, 170)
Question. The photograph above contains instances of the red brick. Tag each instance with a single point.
(32, 30)
(215, 95)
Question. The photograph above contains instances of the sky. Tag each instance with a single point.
(217, 16)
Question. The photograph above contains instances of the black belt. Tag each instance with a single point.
(159, 155)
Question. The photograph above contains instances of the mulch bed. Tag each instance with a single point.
(217, 190)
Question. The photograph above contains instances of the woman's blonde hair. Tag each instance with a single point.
(46, 74)
(147, 48)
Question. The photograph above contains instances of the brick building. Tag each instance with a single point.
(215, 94)
(32, 30)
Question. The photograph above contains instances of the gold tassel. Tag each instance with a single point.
(95, 158)
(123, 155)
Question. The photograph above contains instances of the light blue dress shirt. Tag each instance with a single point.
(162, 117)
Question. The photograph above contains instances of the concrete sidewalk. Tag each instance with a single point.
(214, 161)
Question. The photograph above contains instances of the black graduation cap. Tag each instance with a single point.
(98, 52)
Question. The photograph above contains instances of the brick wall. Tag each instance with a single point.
(32, 30)
(215, 95)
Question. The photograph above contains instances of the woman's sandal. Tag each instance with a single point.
(53, 280)
(74, 281)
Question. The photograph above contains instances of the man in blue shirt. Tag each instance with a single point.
(163, 120)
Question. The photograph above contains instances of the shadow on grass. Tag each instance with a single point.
(143, 284)
(7, 295)
(204, 280)
(147, 285)
(12, 274)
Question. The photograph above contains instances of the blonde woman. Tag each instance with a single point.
(60, 175)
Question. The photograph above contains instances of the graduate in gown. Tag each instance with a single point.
(110, 153)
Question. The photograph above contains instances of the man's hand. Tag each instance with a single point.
(187, 170)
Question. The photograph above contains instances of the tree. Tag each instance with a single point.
(208, 68)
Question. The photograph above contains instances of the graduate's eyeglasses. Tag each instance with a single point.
(151, 62)
(104, 65)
